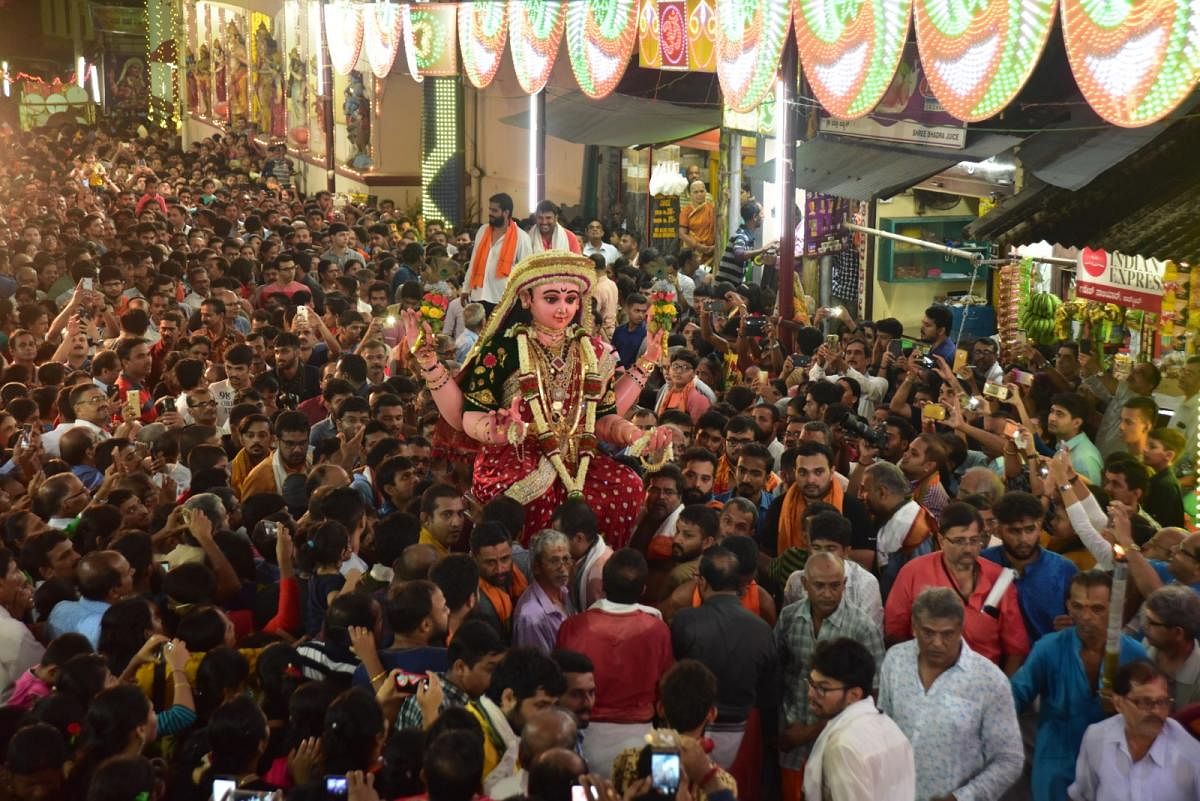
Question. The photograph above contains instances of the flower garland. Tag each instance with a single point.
(532, 391)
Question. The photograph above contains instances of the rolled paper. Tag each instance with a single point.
(1116, 611)
(991, 604)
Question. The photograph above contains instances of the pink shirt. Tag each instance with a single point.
(27, 691)
(992, 637)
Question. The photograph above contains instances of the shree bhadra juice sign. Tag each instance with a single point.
(1131, 282)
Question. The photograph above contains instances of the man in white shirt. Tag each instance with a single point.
(548, 233)
(238, 360)
(861, 753)
(852, 362)
(1140, 753)
(954, 705)
(983, 361)
(594, 243)
(831, 532)
(91, 408)
(499, 246)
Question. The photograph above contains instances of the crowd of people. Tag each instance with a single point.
(278, 524)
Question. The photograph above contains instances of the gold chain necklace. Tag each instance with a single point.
(532, 388)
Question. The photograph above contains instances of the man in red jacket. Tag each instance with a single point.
(630, 647)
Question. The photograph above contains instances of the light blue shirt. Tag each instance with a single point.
(1085, 458)
(1170, 770)
(1069, 704)
(82, 617)
(963, 729)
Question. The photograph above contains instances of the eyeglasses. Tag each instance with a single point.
(558, 561)
(202, 405)
(821, 690)
(96, 399)
(963, 542)
(1151, 704)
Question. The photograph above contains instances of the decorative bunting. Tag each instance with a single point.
(344, 31)
(648, 53)
(535, 29)
(750, 36)
(600, 39)
(850, 50)
(702, 36)
(977, 54)
(1134, 61)
(381, 36)
(672, 34)
(434, 33)
(482, 31)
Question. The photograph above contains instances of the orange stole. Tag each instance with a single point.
(749, 598)
(484, 246)
(502, 600)
(791, 533)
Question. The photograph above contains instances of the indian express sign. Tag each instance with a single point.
(1131, 282)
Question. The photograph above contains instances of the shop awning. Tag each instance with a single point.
(619, 120)
(1148, 203)
(863, 170)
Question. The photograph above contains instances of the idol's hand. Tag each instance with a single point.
(507, 425)
(654, 349)
(660, 438)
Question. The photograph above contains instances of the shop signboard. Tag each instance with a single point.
(664, 223)
(1131, 282)
(908, 113)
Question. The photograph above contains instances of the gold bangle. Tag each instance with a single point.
(435, 387)
(378, 676)
(641, 364)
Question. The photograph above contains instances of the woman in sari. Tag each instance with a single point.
(537, 394)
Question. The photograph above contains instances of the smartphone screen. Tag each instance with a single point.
(335, 787)
(960, 360)
(222, 788)
(664, 772)
(896, 348)
(579, 793)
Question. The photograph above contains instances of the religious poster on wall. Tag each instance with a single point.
(269, 109)
(128, 83)
(664, 223)
(237, 68)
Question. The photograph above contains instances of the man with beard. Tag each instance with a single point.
(860, 752)
(548, 234)
(814, 482)
(301, 380)
(525, 683)
(289, 458)
(588, 550)
(443, 513)
(904, 530)
(1042, 576)
(754, 463)
(923, 464)
(1063, 670)
(202, 406)
(500, 584)
(419, 619)
(696, 530)
(255, 432)
(547, 602)
(656, 527)
(1002, 638)
(822, 617)
(238, 360)
(499, 246)
(699, 468)
(617, 633)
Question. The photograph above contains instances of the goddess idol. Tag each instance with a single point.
(536, 395)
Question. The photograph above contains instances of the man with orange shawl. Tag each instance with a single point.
(499, 246)
(500, 582)
(814, 482)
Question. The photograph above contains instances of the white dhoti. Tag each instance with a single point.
(727, 739)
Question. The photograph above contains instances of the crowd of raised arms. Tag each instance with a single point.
(246, 553)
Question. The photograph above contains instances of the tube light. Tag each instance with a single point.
(534, 125)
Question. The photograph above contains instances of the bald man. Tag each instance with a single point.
(554, 773)
(414, 563)
(820, 616)
(103, 577)
(60, 499)
(553, 728)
